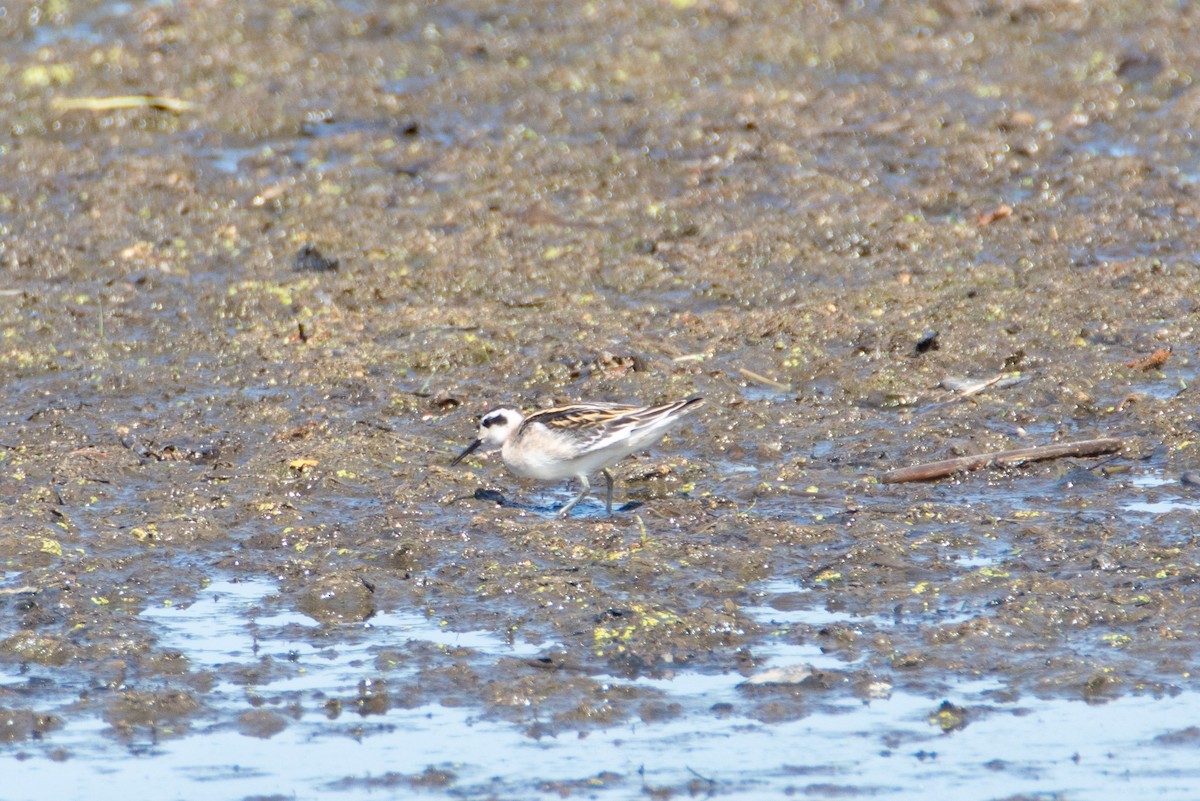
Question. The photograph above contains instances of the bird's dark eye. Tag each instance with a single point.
(492, 420)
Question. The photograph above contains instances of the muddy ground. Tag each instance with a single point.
(243, 336)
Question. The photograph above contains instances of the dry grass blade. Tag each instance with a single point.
(966, 387)
(117, 102)
(762, 379)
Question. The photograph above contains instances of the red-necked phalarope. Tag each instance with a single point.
(576, 441)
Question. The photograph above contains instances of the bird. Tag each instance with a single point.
(577, 440)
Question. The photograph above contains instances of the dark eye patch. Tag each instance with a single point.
(492, 420)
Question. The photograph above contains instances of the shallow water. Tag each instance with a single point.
(882, 749)
(886, 746)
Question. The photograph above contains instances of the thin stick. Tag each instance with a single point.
(762, 379)
(171, 104)
(963, 464)
(976, 388)
(962, 391)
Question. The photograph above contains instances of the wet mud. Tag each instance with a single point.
(243, 335)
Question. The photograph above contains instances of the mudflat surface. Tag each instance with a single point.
(246, 324)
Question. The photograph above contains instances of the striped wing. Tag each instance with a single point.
(595, 426)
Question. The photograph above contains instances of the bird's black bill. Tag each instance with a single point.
(467, 452)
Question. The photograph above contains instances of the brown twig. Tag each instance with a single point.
(963, 464)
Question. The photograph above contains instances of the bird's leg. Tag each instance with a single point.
(566, 510)
(608, 500)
